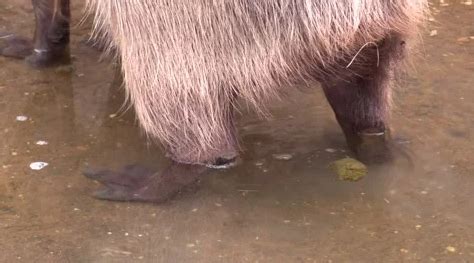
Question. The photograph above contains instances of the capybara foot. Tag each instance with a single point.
(140, 184)
(48, 58)
(15, 46)
(372, 146)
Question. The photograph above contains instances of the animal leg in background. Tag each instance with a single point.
(51, 39)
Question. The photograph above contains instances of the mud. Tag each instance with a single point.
(266, 209)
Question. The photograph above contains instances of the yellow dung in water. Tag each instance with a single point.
(349, 169)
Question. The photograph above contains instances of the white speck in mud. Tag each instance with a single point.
(283, 156)
(330, 150)
(286, 221)
(77, 209)
(418, 227)
(404, 250)
(21, 118)
(451, 249)
(218, 205)
(109, 233)
(38, 165)
(433, 33)
(126, 234)
(194, 210)
(190, 245)
(41, 143)
(424, 192)
(112, 115)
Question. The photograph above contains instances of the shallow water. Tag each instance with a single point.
(419, 209)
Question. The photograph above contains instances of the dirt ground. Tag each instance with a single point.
(419, 209)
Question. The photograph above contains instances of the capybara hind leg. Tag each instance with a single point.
(360, 97)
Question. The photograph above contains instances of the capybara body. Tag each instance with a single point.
(187, 62)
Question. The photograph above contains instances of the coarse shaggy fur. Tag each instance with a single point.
(185, 62)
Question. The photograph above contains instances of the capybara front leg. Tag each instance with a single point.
(360, 97)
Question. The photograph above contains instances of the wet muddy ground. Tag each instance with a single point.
(418, 209)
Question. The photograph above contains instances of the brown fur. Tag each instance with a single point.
(185, 62)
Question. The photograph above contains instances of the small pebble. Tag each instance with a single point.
(190, 245)
(41, 143)
(283, 156)
(38, 165)
(21, 118)
(330, 150)
(433, 33)
(451, 249)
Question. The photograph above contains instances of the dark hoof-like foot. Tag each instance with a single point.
(15, 46)
(22, 48)
(136, 183)
(372, 147)
(48, 58)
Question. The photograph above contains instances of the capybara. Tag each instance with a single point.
(186, 64)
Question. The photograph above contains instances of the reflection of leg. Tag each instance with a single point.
(51, 36)
(136, 183)
(360, 98)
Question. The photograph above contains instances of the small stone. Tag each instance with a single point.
(404, 250)
(190, 245)
(330, 150)
(451, 249)
(194, 210)
(112, 115)
(21, 118)
(41, 143)
(418, 227)
(286, 221)
(433, 33)
(283, 156)
(38, 165)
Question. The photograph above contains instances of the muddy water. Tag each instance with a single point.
(419, 209)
